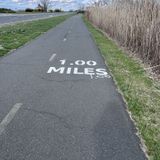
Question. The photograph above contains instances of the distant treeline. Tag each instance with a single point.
(5, 10)
(39, 10)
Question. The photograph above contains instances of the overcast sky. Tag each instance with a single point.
(22, 4)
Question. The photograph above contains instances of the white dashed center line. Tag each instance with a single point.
(65, 39)
(52, 57)
(9, 117)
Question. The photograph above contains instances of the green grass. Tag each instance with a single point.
(141, 93)
(14, 36)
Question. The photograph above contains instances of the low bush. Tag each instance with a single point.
(29, 10)
(57, 10)
(5, 10)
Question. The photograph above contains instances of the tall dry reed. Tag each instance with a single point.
(135, 24)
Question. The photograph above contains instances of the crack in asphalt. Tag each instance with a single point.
(61, 119)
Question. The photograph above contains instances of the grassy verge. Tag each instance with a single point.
(14, 36)
(141, 93)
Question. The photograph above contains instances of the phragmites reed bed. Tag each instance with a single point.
(135, 24)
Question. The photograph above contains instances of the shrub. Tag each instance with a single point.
(51, 11)
(29, 10)
(80, 11)
(57, 10)
(5, 10)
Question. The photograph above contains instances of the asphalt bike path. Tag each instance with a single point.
(58, 101)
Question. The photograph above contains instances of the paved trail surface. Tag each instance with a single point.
(58, 101)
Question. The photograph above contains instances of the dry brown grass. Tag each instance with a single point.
(135, 24)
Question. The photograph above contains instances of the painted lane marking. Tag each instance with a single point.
(52, 57)
(92, 72)
(66, 35)
(9, 117)
(78, 67)
(65, 39)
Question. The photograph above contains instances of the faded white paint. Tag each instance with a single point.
(9, 117)
(80, 70)
(56, 70)
(52, 57)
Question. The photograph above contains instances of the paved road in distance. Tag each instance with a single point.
(13, 18)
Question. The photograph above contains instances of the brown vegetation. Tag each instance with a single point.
(135, 24)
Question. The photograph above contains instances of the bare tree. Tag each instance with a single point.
(45, 4)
